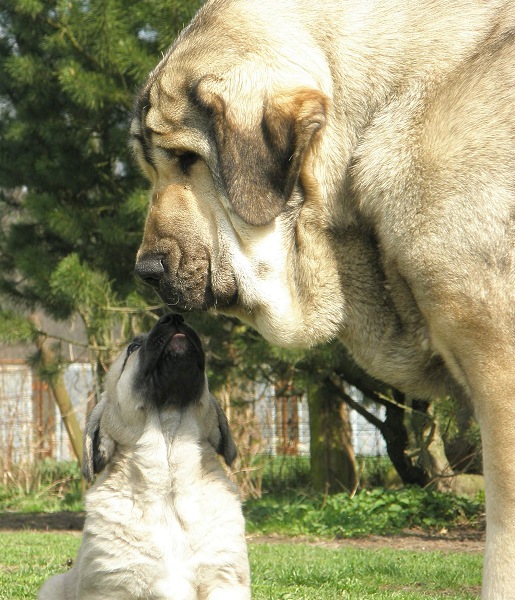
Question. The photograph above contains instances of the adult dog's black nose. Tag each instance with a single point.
(149, 268)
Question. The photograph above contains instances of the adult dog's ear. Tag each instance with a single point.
(260, 164)
(222, 441)
(98, 447)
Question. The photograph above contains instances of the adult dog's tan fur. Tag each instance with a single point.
(347, 169)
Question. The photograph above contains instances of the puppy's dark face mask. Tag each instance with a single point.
(171, 363)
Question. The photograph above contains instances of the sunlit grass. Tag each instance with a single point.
(279, 571)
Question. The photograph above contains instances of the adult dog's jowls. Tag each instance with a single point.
(163, 522)
(347, 169)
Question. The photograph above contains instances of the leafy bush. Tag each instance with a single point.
(54, 486)
(377, 511)
(285, 474)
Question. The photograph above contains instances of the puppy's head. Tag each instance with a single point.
(165, 366)
(161, 370)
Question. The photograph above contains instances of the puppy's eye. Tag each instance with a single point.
(132, 347)
(186, 161)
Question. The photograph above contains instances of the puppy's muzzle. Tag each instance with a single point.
(172, 363)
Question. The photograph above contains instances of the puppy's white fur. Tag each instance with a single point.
(163, 520)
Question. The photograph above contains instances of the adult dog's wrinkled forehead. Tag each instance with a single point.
(228, 144)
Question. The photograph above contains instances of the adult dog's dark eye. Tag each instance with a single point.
(132, 347)
(186, 161)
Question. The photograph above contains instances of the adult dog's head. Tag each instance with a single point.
(156, 379)
(227, 129)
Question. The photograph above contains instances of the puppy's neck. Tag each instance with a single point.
(168, 451)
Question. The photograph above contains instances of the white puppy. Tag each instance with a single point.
(162, 521)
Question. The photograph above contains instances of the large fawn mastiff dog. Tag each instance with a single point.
(347, 169)
(163, 522)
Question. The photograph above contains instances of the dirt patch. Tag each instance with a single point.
(60, 521)
(463, 540)
(455, 540)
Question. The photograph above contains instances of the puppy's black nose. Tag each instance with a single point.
(149, 268)
(172, 318)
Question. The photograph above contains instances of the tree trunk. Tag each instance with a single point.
(62, 399)
(333, 466)
(397, 444)
(393, 428)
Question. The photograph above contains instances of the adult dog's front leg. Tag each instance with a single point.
(483, 357)
(495, 409)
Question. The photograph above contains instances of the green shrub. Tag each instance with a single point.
(54, 486)
(377, 511)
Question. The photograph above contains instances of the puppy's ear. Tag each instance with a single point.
(222, 441)
(260, 164)
(98, 448)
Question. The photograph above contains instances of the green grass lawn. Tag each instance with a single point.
(279, 571)
(284, 570)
